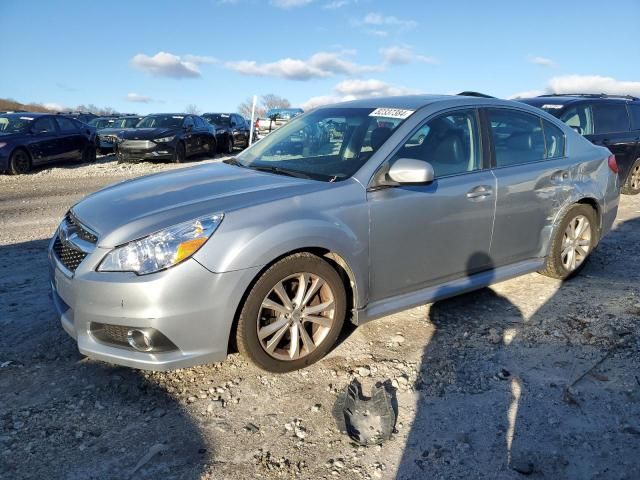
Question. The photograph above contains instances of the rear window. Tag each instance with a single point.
(65, 124)
(518, 137)
(610, 117)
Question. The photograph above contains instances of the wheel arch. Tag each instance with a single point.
(333, 258)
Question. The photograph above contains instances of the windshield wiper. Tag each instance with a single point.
(282, 171)
(233, 161)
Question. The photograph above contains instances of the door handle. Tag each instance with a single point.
(480, 192)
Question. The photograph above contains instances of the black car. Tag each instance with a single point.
(108, 137)
(610, 121)
(166, 136)
(101, 122)
(84, 117)
(232, 130)
(30, 139)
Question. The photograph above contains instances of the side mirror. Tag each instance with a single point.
(577, 129)
(410, 171)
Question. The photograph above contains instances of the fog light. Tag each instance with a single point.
(140, 340)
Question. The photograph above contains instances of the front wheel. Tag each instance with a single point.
(292, 315)
(89, 153)
(574, 240)
(632, 184)
(180, 154)
(229, 145)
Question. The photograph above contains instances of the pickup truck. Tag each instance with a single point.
(274, 119)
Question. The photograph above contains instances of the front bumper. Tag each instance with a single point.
(191, 306)
(132, 150)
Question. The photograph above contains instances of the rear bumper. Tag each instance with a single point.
(189, 305)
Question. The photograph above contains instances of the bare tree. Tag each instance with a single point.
(192, 109)
(271, 100)
(244, 108)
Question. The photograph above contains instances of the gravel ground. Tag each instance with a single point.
(480, 381)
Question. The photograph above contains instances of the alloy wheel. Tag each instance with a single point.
(296, 316)
(576, 243)
(634, 182)
(20, 162)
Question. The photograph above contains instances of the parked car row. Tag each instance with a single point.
(378, 206)
(31, 139)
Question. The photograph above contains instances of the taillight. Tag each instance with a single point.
(613, 165)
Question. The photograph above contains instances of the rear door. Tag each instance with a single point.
(613, 130)
(424, 235)
(73, 140)
(45, 145)
(534, 179)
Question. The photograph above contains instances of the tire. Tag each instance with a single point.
(19, 162)
(89, 153)
(632, 184)
(322, 332)
(213, 148)
(228, 147)
(180, 153)
(558, 264)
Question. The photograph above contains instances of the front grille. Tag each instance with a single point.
(114, 334)
(68, 256)
(109, 138)
(137, 145)
(80, 230)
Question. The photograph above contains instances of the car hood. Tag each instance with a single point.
(114, 131)
(148, 133)
(135, 208)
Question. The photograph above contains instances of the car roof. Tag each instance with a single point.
(26, 114)
(170, 114)
(568, 99)
(416, 102)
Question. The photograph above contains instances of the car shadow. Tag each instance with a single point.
(499, 389)
(64, 416)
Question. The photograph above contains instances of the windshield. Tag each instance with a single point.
(125, 123)
(161, 121)
(328, 144)
(217, 118)
(101, 123)
(14, 124)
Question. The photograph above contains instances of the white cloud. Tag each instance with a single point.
(290, 3)
(402, 55)
(335, 4)
(319, 65)
(527, 94)
(169, 65)
(134, 97)
(542, 61)
(57, 107)
(585, 84)
(379, 20)
(378, 33)
(354, 89)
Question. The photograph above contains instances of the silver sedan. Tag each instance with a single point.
(348, 213)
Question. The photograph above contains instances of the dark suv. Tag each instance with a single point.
(607, 120)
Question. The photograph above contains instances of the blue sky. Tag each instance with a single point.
(147, 56)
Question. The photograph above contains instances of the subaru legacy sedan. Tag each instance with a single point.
(405, 201)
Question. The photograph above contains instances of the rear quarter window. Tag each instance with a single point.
(554, 140)
(634, 109)
(610, 117)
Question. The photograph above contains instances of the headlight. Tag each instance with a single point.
(3, 144)
(164, 139)
(219, 132)
(162, 249)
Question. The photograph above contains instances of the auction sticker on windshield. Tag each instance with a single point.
(391, 113)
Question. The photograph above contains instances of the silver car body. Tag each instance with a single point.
(400, 247)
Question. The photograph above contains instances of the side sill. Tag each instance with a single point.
(452, 288)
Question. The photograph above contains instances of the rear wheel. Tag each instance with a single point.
(293, 314)
(19, 162)
(632, 184)
(180, 154)
(573, 242)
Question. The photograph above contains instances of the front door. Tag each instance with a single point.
(46, 144)
(428, 234)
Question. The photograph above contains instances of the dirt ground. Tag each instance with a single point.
(480, 380)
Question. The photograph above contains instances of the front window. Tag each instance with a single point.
(328, 144)
(14, 124)
(161, 121)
